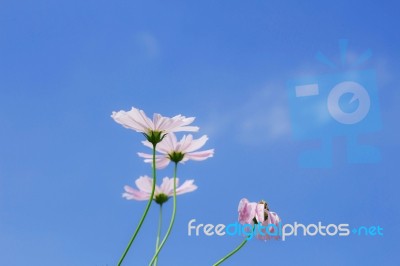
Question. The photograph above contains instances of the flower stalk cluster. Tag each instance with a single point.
(161, 139)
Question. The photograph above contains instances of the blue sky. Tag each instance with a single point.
(66, 65)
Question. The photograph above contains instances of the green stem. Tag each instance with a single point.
(171, 223)
(158, 233)
(231, 253)
(146, 209)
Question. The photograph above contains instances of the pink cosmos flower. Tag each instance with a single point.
(258, 214)
(178, 151)
(161, 194)
(154, 129)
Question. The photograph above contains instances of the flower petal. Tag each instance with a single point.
(133, 194)
(147, 144)
(167, 185)
(144, 183)
(168, 144)
(161, 123)
(129, 121)
(186, 187)
(260, 213)
(184, 143)
(162, 161)
(141, 116)
(145, 155)
(196, 144)
(247, 211)
(179, 123)
(200, 155)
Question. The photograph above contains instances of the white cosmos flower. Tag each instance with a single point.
(162, 193)
(155, 129)
(178, 151)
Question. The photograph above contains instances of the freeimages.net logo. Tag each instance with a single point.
(339, 104)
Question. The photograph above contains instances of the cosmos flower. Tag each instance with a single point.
(162, 193)
(155, 129)
(178, 151)
(258, 214)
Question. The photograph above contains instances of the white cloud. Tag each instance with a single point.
(265, 116)
(261, 118)
(148, 43)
